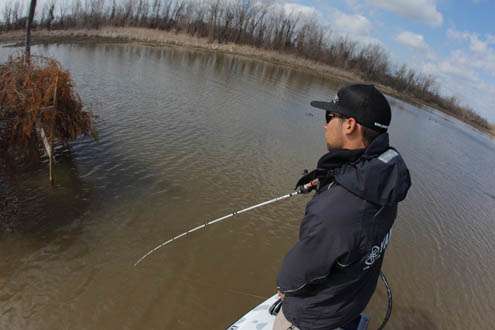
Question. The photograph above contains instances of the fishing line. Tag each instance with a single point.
(389, 301)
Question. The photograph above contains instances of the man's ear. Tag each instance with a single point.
(350, 125)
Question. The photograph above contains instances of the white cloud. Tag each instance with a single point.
(355, 27)
(297, 9)
(357, 6)
(353, 24)
(459, 77)
(478, 54)
(421, 10)
(478, 46)
(412, 40)
(484, 62)
(475, 42)
(449, 67)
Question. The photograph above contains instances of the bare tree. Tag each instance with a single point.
(48, 15)
(213, 17)
(29, 24)
(155, 9)
(7, 16)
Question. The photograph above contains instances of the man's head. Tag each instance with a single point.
(355, 117)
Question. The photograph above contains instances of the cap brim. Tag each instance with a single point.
(329, 106)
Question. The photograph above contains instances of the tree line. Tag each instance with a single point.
(261, 24)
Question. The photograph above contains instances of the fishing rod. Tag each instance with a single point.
(300, 190)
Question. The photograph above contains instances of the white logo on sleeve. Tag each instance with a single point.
(377, 251)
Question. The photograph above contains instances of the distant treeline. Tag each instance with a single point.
(261, 24)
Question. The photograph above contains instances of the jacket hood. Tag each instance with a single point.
(379, 175)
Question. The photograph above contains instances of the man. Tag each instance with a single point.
(328, 277)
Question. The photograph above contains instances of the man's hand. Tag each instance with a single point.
(280, 295)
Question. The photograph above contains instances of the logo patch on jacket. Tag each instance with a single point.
(377, 251)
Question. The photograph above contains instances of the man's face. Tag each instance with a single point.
(333, 132)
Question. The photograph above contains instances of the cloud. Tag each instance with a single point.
(466, 86)
(357, 25)
(412, 40)
(475, 42)
(420, 10)
(483, 62)
(449, 68)
(356, 5)
(297, 9)
(478, 54)
(459, 77)
(478, 46)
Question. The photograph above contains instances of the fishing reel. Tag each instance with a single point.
(308, 187)
(308, 182)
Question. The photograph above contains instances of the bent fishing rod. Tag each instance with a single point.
(300, 190)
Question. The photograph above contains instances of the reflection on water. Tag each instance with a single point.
(188, 136)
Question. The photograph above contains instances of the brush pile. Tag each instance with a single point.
(38, 95)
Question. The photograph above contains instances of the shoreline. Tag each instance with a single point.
(159, 38)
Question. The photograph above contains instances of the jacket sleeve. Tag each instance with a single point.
(310, 260)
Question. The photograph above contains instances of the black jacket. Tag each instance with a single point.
(329, 276)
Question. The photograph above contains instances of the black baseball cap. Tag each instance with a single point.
(365, 103)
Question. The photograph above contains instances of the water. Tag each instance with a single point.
(188, 136)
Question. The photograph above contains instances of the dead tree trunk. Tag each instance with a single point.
(29, 25)
(27, 61)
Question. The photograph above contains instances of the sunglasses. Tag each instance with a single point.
(330, 115)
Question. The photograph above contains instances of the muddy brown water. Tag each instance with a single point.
(186, 136)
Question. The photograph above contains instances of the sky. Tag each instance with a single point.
(452, 40)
